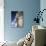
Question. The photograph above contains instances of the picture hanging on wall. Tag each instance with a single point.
(17, 19)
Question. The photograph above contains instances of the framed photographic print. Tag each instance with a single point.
(17, 18)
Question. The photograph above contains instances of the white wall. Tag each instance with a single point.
(1, 20)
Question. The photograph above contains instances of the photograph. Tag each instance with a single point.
(17, 18)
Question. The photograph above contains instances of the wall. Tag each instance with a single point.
(1, 20)
(42, 6)
(29, 7)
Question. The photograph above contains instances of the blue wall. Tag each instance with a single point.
(29, 7)
(43, 6)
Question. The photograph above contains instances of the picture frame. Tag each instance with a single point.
(17, 19)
